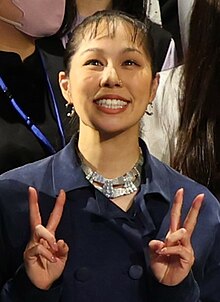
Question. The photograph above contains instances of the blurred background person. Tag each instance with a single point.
(31, 105)
(184, 128)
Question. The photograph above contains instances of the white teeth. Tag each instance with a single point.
(111, 103)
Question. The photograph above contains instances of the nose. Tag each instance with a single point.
(110, 78)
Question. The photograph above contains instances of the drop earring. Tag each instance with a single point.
(151, 109)
(72, 111)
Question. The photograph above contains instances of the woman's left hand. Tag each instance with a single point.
(171, 260)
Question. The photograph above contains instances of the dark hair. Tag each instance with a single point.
(140, 32)
(196, 145)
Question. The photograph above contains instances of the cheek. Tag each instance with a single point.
(142, 84)
(92, 80)
(84, 88)
(86, 84)
(81, 77)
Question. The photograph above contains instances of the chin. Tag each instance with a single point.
(113, 132)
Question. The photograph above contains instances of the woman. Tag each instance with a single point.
(121, 235)
(32, 107)
(187, 100)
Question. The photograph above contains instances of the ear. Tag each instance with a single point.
(65, 86)
(154, 86)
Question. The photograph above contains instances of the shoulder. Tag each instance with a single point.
(173, 180)
(51, 45)
(191, 190)
(49, 175)
(30, 174)
(51, 51)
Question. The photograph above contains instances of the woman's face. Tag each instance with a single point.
(110, 81)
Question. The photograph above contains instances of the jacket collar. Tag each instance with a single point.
(157, 181)
(68, 175)
(66, 170)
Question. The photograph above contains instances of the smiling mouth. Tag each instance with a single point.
(111, 103)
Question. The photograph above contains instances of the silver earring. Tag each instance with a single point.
(151, 109)
(72, 111)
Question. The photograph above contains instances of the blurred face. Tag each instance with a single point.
(36, 18)
(110, 81)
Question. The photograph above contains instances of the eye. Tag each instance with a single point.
(130, 63)
(93, 62)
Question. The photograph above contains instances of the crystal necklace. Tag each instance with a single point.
(115, 187)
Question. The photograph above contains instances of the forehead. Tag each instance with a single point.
(114, 30)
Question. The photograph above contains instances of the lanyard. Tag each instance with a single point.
(36, 131)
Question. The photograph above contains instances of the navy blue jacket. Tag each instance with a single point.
(108, 256)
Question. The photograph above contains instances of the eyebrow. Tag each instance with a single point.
(128, 49)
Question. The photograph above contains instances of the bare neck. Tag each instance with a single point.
(12, 40)
(87, 8)
(111, 157)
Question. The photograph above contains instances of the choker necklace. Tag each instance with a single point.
(115, 187)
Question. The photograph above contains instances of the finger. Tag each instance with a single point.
(42, 233)
(63, 249)
(156, 245)
(57, 212)
(176, 211)
(176, 237)
(186, 255)
(34, 212)
(33, 254)
(192, 216)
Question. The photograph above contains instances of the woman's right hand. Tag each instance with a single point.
(172, 259)
(44, 257)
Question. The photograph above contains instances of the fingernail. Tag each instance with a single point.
(162, 251)
(53, 259)
(55, 247)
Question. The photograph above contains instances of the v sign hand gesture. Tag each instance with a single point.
(44, 257)
(171, 260)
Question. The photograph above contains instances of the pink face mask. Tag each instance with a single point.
(40, 17)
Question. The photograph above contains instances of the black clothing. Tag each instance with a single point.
(170, 21)
(161, 41)
(28, 85)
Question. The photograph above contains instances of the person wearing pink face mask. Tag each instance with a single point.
(32, 109)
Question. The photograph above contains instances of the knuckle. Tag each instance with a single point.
(38, 228)
(183, 232)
